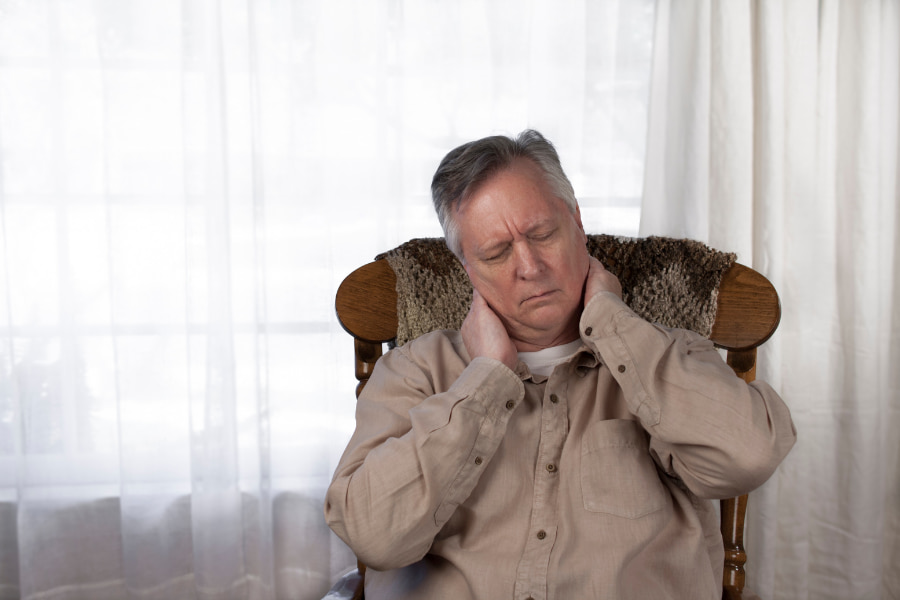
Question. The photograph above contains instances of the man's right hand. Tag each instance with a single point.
(485, 335)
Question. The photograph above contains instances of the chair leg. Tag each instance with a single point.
(366, 354)
(360, 592)
(733, 512)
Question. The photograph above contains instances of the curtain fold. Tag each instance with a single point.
(183, 185)
(774, 131)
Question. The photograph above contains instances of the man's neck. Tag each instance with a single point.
(535, 345)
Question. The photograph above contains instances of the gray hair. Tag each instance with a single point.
(465, 168)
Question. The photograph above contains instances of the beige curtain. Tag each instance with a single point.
(774, 133)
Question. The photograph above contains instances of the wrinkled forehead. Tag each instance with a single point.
(516, 202)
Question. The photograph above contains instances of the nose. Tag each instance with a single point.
(528, 261)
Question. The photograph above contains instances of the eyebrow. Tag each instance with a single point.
(493, 247)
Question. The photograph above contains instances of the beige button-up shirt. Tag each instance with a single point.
(465, 479)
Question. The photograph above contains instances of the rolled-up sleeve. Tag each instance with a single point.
(721, 436)
(416, 454)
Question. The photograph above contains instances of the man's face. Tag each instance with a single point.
(525, 253)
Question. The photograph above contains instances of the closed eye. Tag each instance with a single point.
(542, 236)
(496, 253)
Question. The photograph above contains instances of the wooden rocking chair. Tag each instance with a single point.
(747, 314)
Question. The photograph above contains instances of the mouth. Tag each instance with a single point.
(539, 297)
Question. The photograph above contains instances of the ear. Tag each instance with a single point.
(468, 269)
(471, 280)
(577, 216)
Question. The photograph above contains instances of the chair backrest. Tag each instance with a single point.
(746, 315)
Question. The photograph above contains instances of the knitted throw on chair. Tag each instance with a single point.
(672, 282)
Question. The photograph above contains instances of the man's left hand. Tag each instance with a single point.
(600, 280)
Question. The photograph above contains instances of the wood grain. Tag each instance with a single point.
(366, 303)
(748, 310)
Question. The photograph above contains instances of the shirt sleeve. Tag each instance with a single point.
(416, 454)
(719, 435)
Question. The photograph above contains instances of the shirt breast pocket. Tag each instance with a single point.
(618, 477)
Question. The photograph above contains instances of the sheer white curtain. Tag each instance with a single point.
(774, 133)
(183, 184)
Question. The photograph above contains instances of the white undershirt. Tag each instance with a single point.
(543, 361)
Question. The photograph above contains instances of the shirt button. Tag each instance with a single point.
(478, 460)
(551, 467)
(621, 368)
(510, 405)
(589, 331)
(554, 398)
(541, 534)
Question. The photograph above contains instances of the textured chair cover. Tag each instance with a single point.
(668, 281)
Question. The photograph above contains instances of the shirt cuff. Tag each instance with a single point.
(493, 385)
(616, 334)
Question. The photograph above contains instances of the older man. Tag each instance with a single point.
(558, 446)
